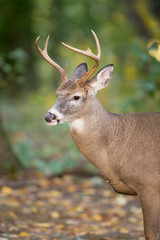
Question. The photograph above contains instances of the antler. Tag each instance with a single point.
(44, 54)
(90, 54)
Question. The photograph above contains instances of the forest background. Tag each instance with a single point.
(129, 34)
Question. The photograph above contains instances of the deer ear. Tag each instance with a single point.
(79, 71)
(102, 78)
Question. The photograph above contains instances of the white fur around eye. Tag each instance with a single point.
(76, 102)
(77, 94)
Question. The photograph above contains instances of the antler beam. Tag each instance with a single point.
(44, 54)
(89, 54)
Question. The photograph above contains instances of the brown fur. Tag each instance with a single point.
(124, 147)
(126, 150)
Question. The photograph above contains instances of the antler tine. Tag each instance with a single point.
(90, 54)
(44, 54)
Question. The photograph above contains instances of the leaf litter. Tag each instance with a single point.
(35, 207)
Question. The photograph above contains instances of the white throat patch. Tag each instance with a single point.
(77, 125)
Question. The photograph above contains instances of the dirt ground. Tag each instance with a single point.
(33, 206)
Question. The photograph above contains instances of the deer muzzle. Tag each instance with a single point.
(50, 117)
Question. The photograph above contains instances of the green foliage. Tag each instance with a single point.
(13, 67)
(50, 150)
(146, 84)
(128, 32)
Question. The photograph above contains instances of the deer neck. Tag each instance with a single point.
(92, 131)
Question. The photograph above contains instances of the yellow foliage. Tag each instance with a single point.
(118, 16)
(154, 52)
(131, 72)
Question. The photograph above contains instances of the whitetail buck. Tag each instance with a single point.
(124, 147)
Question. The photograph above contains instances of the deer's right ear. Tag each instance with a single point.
(101, 79)
(79, 71)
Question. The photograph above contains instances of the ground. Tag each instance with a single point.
(33, 206)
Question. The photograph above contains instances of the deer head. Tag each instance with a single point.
(75, 93)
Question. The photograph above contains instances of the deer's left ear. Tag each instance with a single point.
(101, 79)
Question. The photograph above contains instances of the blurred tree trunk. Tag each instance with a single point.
(141, 14)
(9, 162)
(139, 25)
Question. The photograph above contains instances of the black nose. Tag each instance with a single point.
(49, 117)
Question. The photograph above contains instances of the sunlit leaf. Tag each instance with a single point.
(6, 190)
(24, 234)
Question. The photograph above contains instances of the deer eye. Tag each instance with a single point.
(76, 98)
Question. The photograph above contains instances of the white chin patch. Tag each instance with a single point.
(54, 123)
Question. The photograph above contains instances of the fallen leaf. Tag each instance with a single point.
(121, 200)
(11, 202)
(39, 203)
(89, 191)
(24, 234)
(6, 190)
(12, 215)
(96, 217)
(54, 214)
(71, 188)
(79, 208)
(43, 225)
(54, 193)
(123, 230)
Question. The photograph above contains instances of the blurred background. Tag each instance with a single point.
(129, 34)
